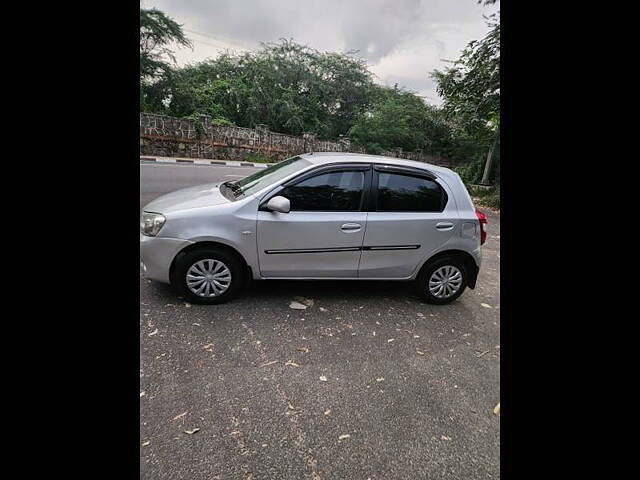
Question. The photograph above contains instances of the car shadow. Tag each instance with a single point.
(332, 289)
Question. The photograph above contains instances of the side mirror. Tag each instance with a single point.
(279, 204)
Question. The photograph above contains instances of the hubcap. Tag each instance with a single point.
(445, 281)
(208, 278)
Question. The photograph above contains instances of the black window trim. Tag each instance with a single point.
(321, 170)
(409, 172)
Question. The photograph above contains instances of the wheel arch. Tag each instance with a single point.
(208, 244)
(469, 263)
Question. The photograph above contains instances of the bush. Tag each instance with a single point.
(259, 158)
(488, 197)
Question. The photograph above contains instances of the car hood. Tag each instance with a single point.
(187, 198)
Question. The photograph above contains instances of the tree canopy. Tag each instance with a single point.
(157, 33)
(470, 89)
(294, 88)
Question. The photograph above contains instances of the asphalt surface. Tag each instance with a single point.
(367, 383)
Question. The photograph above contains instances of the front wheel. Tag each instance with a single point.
(442, 281)
(208, 276)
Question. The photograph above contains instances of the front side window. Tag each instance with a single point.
(266, 177)
(406, 193)
(327, 192)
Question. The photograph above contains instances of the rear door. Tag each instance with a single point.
(411, 216)
(322, 235)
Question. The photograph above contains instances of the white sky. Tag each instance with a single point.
(402, 40)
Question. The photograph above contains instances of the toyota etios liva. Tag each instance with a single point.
(317, 216)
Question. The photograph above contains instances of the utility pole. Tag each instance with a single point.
(487, 166)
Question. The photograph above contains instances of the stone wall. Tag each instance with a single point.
(176, 137)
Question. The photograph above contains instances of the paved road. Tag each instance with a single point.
(249, 375)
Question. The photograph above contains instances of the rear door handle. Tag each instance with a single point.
(351, 227)
(444, 226)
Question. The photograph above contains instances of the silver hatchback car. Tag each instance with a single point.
(317, 216)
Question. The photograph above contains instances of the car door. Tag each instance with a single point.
(410, 217)
(322, 234)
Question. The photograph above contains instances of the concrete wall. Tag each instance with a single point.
(176, 137)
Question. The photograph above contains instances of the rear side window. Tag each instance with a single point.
(405, 193)
(327, 192)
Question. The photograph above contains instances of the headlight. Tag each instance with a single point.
(151, 223)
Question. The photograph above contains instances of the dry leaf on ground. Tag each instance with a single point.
(297, 306)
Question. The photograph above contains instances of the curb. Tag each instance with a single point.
(197, 161)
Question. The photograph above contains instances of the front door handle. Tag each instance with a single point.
(444, 226)
(351, 227)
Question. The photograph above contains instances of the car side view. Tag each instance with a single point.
(337, 216)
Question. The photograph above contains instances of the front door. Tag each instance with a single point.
(322, 234)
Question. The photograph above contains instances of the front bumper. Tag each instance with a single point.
(156, 255)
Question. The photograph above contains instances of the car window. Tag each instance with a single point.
(406, 193)
(327, 192)
(270, 175)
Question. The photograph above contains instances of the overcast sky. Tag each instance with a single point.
(402, 40)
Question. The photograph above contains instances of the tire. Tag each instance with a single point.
(227, 270)
(438, 271)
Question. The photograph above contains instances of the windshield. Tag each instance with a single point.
(268, 176)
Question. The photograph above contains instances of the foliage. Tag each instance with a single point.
(471, 92)
(398, 118)
(157, 32)
(259, 158)
(290, 87)
(293, 88)
(487, 197)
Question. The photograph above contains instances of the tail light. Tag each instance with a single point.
(483, 222)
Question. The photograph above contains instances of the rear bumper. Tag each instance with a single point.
(156, 255)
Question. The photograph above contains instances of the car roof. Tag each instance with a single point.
(325, 158)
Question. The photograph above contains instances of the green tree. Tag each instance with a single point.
(157, 33)
(399, 118)
(470, 89)
(290, 87)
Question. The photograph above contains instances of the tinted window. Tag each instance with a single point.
(270, 175)
(404, 193)
(335, 191)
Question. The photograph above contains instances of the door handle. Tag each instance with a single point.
(351, 227)
(444, 226)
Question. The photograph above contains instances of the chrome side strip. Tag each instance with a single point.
(314, 250)
(392, 247)
(342, 249)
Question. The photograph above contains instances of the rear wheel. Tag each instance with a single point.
(208, 276)
(442, 281)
